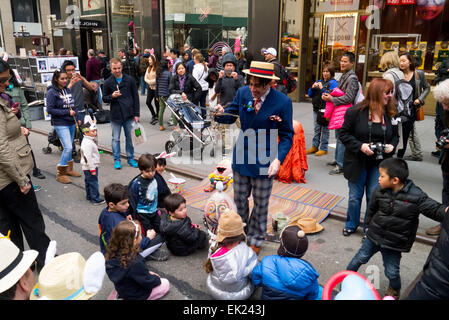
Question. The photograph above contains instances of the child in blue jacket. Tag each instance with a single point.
(286, 276)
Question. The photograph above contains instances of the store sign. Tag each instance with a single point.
(340, 30)
(336, 5)
(399, 2)
(86, 24)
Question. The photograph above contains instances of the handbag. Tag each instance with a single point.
(420, 114)
(103, 116)
(320, 119)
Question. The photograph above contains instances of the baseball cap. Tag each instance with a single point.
(271, 51)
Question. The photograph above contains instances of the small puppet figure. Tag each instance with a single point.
(223, 173)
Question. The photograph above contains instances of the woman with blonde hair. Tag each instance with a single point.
(369, 136)
(390, 63)
(200, 73)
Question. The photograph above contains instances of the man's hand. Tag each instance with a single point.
(26, 188)
(221, 74)
(136, 119)
(116, 94)
(273, 169)
(234, 75)
(151, 234)
(326, 97)
(219, 108)
(25, 131)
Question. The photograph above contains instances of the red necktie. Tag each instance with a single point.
(257, 104)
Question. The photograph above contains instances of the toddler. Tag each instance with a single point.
(162, 188)
(90, 159)
(230, 261)
(181, 235)
(126, 268)
(286, 276)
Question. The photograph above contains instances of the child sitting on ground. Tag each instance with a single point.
(162, 188)
(230, 261)
(392, 220)
(116, 196)
(90, 159)
(181, 235)
(143, 194)
(286, 276)
(126, 268)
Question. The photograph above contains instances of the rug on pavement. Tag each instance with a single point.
(291, 199)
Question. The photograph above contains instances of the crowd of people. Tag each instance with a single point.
(143, 221)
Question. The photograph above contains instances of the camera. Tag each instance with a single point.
(442, 141)
(378, 149)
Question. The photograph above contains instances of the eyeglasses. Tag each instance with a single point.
(3, 80)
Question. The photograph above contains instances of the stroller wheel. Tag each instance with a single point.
(46, 150)
(169, 146)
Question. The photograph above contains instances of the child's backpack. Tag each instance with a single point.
(287, 79)
(403, 93)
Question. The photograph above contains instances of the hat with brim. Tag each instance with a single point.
(261, 69)
(14, 263)
(230, 224)
(62, 279)
(309, 225)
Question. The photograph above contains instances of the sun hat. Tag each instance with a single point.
(14, 262)
(271, 51)
(261, 69)
(64, 278)
(309, 225)
(230, 224)
(294, 242)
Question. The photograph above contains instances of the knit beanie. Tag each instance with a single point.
(294, 242)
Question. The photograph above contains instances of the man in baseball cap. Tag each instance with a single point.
(270, 56)
(16, 270)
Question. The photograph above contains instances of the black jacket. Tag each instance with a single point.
(353, 133)
(442, 73)
(180, 236)
(134, 282)
(392, 218)
(192, 88)
(127, 105)
(434, 282)
(130, 68)
(162, 190)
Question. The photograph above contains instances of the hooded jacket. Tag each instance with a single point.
(59, 102)
(336, 113)
(133, 282)
(392, 218)
(180, 236)
(286, 278)
(231, 275)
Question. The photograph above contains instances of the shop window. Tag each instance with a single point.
(25, 10)
(55, 8)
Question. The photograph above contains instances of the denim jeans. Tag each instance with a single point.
(66, 135)
(99, 93)
(91, 184)
(116, 130)
(321, 135)
(143, 85)
(391, 260)
(367, 181)
(339, 149)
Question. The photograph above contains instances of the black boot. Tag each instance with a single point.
(37, 173)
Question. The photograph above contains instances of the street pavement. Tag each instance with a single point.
(73, 222)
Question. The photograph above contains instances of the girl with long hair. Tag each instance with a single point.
(150, 78)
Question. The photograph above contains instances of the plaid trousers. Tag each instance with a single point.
(256, 223)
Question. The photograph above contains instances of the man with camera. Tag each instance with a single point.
(441, 94)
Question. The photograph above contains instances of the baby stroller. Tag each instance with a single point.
(53, 139)
(194, 127)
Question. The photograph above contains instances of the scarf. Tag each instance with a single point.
(181, 82)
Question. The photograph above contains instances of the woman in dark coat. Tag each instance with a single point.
(366, 125)
(186, 85)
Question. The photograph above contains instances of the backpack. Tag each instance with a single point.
(143, 65)
(403, 93)
(359, 97)
(287, 79)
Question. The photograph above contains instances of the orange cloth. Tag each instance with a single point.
(295, 164)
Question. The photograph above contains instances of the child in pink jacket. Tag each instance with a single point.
(336, 113)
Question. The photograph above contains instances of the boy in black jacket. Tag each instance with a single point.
(181, 235)
(162, 188)
(392, 220)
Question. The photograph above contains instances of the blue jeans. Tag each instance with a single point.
(143, 85)
(116, 130)
(391, 260)
(321, 135)
(99, 94)
(66, 135)
(339, 149)
(367, 181)
(91, 184)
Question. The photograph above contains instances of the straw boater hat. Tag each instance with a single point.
(66, 277)
(309, 225)
(230, 224)
(261, 69)
(13, 263)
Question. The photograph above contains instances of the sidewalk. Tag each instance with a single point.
(425, 174)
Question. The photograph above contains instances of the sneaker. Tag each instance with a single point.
(36, 188)
(412, 158)
(100, 202)
(320, 153)
(336, 170)
(160, 254)
(154, 121)
(117, 165)
(133, 163)
(332, 163)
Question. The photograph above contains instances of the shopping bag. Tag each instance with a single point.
(138, 134)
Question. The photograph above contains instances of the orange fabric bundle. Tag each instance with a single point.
(295, 164)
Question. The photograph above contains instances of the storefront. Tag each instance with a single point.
(316, 32)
